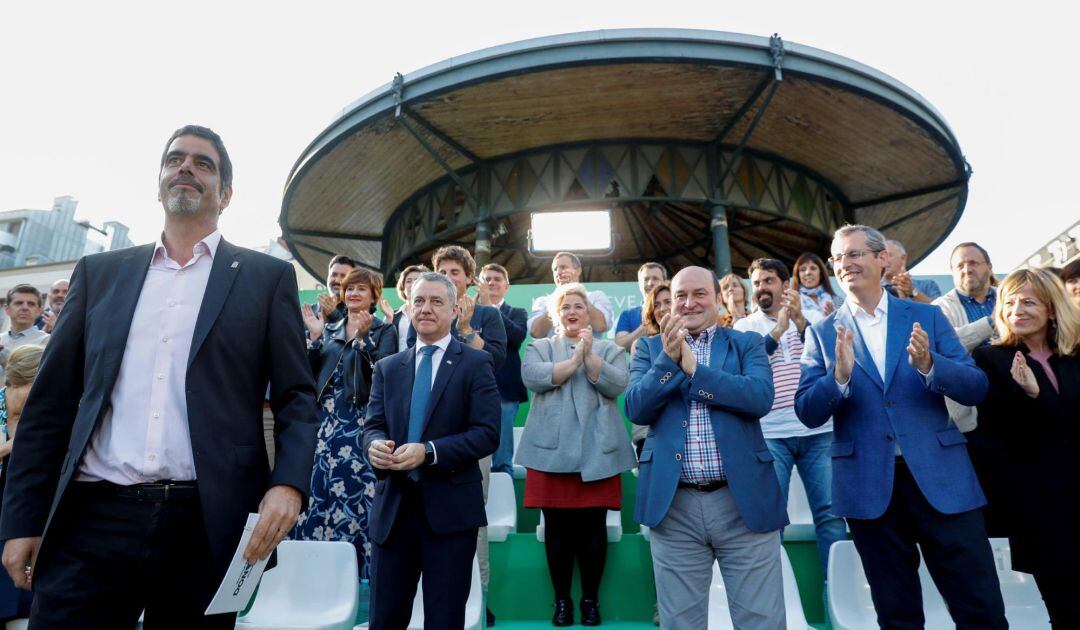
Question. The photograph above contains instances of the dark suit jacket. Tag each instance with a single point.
(1026, 450)
(247, 334)
(488, 323)
(508, 376)
(379, 342)
(462, 422)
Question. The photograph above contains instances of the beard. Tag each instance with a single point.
(764, 300)
(180, 202)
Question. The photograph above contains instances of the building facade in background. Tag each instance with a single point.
(1062, 250)
(38, 237)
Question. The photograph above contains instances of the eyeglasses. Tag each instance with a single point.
(854, 255)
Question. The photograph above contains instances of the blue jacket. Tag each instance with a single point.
(905, 409)
(738, 387)
(508, 376)
(462, 422)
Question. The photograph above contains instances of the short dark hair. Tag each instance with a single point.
(574, 260)
(28, 289)
(770, 264)
(457, 254)
(982, 251)
(1070, 271)
(224, 169)
(653, 265)
(495, 267)
(342, 259)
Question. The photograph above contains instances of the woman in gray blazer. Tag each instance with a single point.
(575, 445)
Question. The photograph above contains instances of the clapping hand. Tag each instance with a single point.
(49, 318)
(903, 285)
(828, 308)
(1024, 377)
(466, 306)
(845, 354)
(919, 350)
(585, 340)
(363, 321)
(483, 296)
(387, 310)
(792, 303)
(327, 302)
(314, 322)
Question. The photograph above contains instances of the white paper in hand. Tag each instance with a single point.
(240, 580)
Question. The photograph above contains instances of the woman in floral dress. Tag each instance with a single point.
(342, 356)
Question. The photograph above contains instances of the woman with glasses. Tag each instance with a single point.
(1031, 417)
(342, 356)
(812, 280)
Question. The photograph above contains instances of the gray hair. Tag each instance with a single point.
(897, 244)
(430, 276)
(875, 240)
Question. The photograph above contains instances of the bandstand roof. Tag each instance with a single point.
(872, 150)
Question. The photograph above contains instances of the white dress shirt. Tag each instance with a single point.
(875, 332)
(404, 324)
(144, 436)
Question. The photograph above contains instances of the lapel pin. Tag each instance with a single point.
(449, 362)
(235, 264)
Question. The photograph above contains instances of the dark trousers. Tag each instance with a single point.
(414, 552)
(1062, 598)
(576, 533)
(957, 554)
(106, 559)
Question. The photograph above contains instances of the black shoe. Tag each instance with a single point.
(564, 613)
(490, 617)
(590, 612)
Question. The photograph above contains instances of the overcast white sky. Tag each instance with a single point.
(89, 91)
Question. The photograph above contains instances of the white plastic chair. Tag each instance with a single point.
(646, 532)
(313, 587)
(851, 608)
(799, 513)
(720, 613)
(519, 470)
(474, 607)
(501, 507)
(613, 522)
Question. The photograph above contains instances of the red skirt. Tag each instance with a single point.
(567, 490)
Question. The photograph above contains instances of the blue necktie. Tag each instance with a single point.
(421, 391)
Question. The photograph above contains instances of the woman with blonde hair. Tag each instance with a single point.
(1029, 434)
(574, 446)
(733, 295)
(22, 369)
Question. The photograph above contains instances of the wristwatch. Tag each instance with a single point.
(914, 291)
(429, 454)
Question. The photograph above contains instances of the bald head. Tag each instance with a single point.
(693, 293)
(58, 295)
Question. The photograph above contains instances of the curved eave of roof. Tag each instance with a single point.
(596, 48)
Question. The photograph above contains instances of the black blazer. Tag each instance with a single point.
(1026, 454)
(463, 424)
(248, 333)
(487, 323)
(379, 342)
(508, 376)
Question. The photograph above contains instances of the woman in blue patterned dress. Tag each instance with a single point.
(342, 356)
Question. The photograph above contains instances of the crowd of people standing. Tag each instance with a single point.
(927, 422)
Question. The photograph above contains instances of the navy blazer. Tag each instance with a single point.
(488, 323)
(903, 409)
(738, 388)
(508, 376)
(462, 422)
(247, 334)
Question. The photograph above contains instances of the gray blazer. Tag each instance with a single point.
(577, 426)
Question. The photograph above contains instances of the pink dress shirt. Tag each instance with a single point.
(144, 436)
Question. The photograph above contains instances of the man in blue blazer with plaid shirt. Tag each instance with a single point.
(707, 486)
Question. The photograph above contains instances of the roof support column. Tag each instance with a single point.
(482, 251)
(721, 246)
